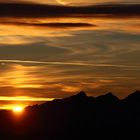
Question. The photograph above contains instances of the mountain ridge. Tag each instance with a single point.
(76, 117)
(109, 97)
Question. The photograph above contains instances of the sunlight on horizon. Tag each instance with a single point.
(24, 98)
(18, 109)
(23, 101)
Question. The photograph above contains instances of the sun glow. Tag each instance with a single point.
(18, 109)
(61, 2)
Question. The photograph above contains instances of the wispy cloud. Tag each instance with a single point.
(49, 25)
(54, 51)
(3, 62)
(24, 98)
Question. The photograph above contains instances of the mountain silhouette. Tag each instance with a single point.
(134, 97)
(76, 117)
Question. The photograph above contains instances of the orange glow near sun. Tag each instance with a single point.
(18, 109)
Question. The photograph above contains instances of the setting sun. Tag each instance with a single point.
(18, 109)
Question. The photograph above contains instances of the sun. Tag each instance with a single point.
(18, 109)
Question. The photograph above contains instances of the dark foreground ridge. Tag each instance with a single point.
(74, 118)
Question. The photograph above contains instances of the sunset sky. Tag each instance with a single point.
(55, 49)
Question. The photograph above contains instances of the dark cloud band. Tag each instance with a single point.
(31, 10)
(50, 25)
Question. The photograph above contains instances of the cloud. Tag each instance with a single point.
(49, 25)
(32, 10)
(31, 51)
(37, 64)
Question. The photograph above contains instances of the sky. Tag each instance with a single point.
(56, 49)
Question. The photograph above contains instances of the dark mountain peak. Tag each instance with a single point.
(81, 94)
(134, 96)
(109, 96)
(137, 92)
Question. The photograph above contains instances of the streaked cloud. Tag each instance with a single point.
(53, 51)
(49, 25)
(24, 98)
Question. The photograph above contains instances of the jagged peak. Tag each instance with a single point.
(81, 94)
(137, 92)
(134, 95)
(109, 96)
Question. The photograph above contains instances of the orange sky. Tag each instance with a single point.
(42, 58)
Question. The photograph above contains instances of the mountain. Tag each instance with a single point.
(76, 117)
(134, 97)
